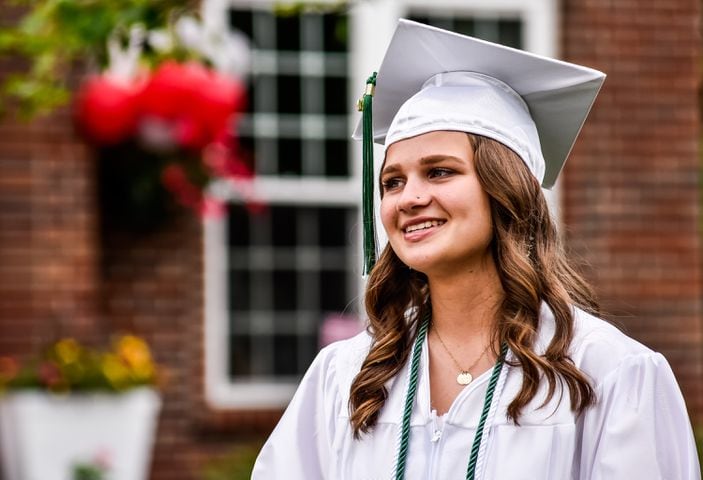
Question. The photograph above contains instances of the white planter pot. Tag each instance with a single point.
(42, 436)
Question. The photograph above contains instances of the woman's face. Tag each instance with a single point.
(435, 212)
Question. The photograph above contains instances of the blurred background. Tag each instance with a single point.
(183, 173)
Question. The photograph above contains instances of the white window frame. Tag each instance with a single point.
(371, 25)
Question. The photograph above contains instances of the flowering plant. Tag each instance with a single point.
(96, 469)
(162, 93)
(68, 366)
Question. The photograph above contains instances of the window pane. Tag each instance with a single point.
(239, 284)
(285, 354)
(335, 33)
(290, 159)
(333, 287)
(336, 158)
(288, 89)
(284, 226)
(240, 355)
(242, 20)
(511, 33)
(333, 231)
(238, 226)
(287, 32)
(285, 290)
(336, 100)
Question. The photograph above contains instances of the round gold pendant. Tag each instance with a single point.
(464, 378)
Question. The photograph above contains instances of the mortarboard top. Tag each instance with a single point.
(557, 95)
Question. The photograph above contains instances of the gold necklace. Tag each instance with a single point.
(464, 377)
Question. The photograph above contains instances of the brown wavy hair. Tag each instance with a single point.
(532, 267)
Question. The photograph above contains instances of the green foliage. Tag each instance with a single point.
(55, 35)
(88, 472)
(300, 7)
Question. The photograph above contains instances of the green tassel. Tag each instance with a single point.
(366, 106)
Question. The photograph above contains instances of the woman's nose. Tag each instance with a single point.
(415, 195)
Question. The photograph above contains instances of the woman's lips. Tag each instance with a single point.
(417, 231)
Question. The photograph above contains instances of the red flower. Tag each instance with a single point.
(50, 375)
(196, 100)
(177, 182)
(221, 159)
(107, 109)
(8, 368)
(166, 92)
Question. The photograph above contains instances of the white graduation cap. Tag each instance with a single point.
(433, 79)
(422, 61)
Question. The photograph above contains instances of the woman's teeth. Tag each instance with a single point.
(423, 225)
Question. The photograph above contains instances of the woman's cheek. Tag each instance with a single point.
(387, 214)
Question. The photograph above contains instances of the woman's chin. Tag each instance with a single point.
(443, 265)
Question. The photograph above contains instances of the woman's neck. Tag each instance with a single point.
(466, 303)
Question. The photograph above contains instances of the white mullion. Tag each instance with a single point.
(313, 90)
(307, 125)
(313, 157)
(264, 29)
(309, 63)
(310, 33)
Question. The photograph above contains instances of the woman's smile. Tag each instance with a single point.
(419, 229)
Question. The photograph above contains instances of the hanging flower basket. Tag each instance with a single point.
(159, 94)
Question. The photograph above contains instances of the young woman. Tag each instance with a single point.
(482, 358)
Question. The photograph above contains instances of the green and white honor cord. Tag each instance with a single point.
(488, 412)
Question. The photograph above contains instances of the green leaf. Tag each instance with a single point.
(55, 34)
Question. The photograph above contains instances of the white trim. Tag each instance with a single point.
(297, 191)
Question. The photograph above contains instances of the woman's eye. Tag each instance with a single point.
(391, 183)
(440, 172)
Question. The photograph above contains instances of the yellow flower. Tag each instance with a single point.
(115, 371)
(134, 351)
(67, 350)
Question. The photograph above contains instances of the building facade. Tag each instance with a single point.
(236, 307)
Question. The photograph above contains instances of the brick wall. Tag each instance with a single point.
(631, 186)
(48, 250)
(151, 285)
(48, 243)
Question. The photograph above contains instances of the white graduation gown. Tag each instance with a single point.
(639, 428)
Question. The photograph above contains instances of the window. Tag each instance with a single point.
(273, 278)
(277, 275)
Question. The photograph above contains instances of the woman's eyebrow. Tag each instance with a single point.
(432, 159)
(428, 160)
(392, 168)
